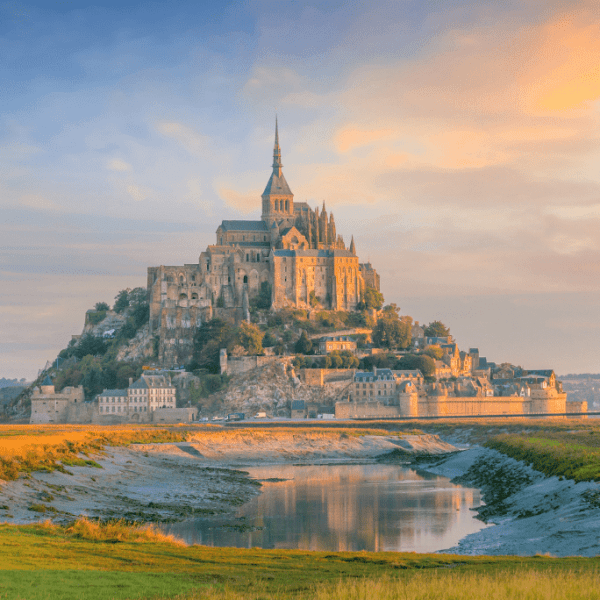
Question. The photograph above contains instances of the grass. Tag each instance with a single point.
(92, 561)
(574, 456)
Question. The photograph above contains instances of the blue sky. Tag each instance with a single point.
(457, 141)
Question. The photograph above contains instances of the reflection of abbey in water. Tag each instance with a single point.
(293, 251)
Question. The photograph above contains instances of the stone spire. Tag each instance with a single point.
(277, 152)
(352, 246)
(277, 199)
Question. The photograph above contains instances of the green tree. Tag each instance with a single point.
(263, 300)
(304, 344)
(371, 298)
(210, 338)
(122, 301)
(269, 340)
(434, 351)
(90, 345)
(391, 332)
(279, 348)
(436, 329)
(102, 306)
(250, 337)
(422, 362)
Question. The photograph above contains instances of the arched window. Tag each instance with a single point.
(194, 296)
(245, 278)
(181, 279)
(182, 296)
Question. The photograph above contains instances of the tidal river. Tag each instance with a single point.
(344, 507)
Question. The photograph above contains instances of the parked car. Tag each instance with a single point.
(260, 415)
(236, 417)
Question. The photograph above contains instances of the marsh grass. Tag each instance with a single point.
(93, 561)
(574, 455)
(439, 585)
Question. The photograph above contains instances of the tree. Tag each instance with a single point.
(371, 298)
(102, 306)
(392, 332)
(211, 337)
(263, 300)
(121, 301)
(269, 340)
(250, 337)
(422, 362)
(434, 351)
(304, 344)
(436, 329)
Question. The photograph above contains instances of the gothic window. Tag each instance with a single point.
(245, 278)
(247, 258)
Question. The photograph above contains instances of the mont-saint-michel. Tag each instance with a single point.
(299, 300)
(288, 282)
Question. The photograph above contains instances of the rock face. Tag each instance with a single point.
(139, 347)
(272, 388)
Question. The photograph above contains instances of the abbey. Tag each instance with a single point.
(293, 253)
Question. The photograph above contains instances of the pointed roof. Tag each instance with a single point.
(47, 381)
(352, 246)
(277, 183)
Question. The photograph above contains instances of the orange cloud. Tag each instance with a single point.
(350, 138)
(565, 66)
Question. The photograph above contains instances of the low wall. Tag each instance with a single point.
(433, 406)
(472, 406)
(241, 364)
(319, 377)
(174, 415)
(365, 410)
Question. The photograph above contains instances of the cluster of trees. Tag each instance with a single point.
(406, 362)
(96, 367)
(216, 334)
(392, 331)
(337, 359)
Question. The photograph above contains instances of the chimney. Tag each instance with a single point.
(374, 370)
(130, 381)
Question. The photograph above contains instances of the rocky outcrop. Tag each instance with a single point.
(272, 388)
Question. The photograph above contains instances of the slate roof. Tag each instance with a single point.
(47, 381)
(298, 405)
(277, 185)
(244, 226)
(312, 253)
(382, 374)
(106, 393)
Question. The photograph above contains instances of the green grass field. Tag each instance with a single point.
(116, 561)
(105, 562)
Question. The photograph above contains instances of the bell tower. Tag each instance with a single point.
(277, 199)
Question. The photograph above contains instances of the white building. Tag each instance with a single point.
(147, 394)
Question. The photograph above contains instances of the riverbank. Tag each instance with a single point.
(176, 481)
(531, 512)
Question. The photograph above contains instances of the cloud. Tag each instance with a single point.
(116, 164)
(244, 202)
(194, 142)
(138, 193)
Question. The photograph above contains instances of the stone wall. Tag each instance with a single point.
(445, 406)
(365, 410)
(234, 365)
(319, 377)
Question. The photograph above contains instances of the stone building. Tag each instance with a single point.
(147, 394)
(50, 406)
(383, 394)
(293, 252)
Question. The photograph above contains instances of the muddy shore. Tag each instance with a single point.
(172, 482)
(530, 512)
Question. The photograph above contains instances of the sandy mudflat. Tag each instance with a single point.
(539, 515)
(179, 481)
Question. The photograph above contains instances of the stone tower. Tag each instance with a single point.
(277, 199)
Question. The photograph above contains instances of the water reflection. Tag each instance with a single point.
(345, 507)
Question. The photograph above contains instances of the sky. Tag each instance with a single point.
(458, 141)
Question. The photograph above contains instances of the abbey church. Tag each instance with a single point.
(293, 252)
